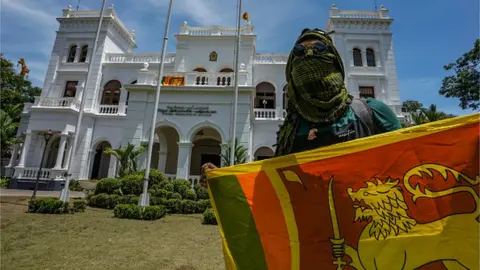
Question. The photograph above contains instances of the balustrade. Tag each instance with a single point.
(265, 113)
(108, 109)
(51, 102)
(45, 174)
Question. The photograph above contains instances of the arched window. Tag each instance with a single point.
(227, 70)
(200, 70)
(370, 58)
(71, 53)
(285, 97)
(111, 93)
(83, 54)
(70, 89)
(265, 96)
(357, 57)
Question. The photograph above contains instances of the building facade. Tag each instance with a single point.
(194, 118)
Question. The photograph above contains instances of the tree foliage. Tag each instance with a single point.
(464, 85)
(412, 105)
(240, 153)
(127, 158)
(421, 115)
(7, 133)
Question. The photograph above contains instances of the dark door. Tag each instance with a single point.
(214, 159)
(96, 163)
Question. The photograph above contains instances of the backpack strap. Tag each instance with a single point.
(361, 108)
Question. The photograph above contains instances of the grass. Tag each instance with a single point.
(96, 240)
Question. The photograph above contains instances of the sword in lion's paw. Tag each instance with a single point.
(337, 241)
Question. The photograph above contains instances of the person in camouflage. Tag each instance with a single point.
(320, 111)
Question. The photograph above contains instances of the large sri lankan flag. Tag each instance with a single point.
(407, 199)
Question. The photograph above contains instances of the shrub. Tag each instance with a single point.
(209, 217)
(127, 199)
(169, 195)
(79, 205)
(103, 201)
(190, 195)
(4, 182)
(180, 184)
(75, 186)
(176, 196)
(202, 205)
(132, 211)
(158, 201)
(169, 187)
(108, 185)
(173, 206)
(202, 193)
(132, 184)
(48, 206)
(156, 177)
(188, 207)
(156, 192)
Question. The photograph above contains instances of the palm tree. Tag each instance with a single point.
(127, 158)
(431, 114)
(8, 133)
(240, 153)
(418, 118)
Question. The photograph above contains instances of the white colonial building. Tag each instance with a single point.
(195, 109)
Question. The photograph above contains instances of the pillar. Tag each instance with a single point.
(69, 152)
(122, 101)
(26, 147)
(183, 164)
(61, 151)
(77, 54)
(364, 57)
(162, 160)
(14, 156)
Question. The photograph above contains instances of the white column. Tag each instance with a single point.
(77, 54)
(61, 152)
(14, 155)
(364, 57)
(26, 147)
(162, 160)
(89, 54)
(183, 164)
(67, 156)
(122, 101)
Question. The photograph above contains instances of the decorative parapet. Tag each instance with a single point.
(138, 58)
(354, 19)
(109, 13)
(214, 30)
(270, 58)
(335, 12)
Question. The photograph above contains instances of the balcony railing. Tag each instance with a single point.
(138, 58)
(198, 79)
(108, 109)
(265, 113)
(51, 102)
(45, 174)
(214, 30)
(270, 58)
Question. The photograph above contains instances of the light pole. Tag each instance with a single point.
(47, 135)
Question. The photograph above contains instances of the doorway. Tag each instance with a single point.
(212, 158)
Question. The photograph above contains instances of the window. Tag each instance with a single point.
(227, 70)
(357, 57)
(265, 96)
(111, 93)
(285, 97)
(370, 58)
(366, 92)
(83, 54)
(70, 89)
(200, 70)
(71, 53)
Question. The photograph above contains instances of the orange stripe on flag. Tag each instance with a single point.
(269, 219)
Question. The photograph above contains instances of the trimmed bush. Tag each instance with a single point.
(202, 205)
(75, 186)
(188, 207)
(202, 193)
(158, 201)
(173, 206)
(176, 196)
(4, 182)
(190, 195)
(108, 186)
(103, 201)
(132, 184)
(180, 184)
(48, 206)
(169, 187)
(79, 205)
(127, 199)
(169, 194)
(157, 192)
(132, 211)
(209, 217)
(156, 177)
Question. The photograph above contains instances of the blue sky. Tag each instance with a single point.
(426, 34)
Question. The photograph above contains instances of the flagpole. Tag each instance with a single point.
(235, 96)
(65, 194)
(144, 198)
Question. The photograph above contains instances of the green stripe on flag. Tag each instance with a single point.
(237, 223)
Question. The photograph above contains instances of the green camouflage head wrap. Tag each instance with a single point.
(316, 89)
(316, 86)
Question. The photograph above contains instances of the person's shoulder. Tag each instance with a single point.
(383, 115)
(376, 104)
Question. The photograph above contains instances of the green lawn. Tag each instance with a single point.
(96, 240)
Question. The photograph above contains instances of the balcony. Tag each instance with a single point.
(108, 109)
(265, 58)
(46, 174)
(138, 58)
(198, 79)
(51, 102)
(186, 30)
(269, 114)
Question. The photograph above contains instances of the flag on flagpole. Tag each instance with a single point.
(418, 194)
(245, 17)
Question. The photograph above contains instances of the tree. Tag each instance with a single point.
(412, 105)
(8, 133)
(240, 153)
(464, 84)
(127, 158)
(431, 114)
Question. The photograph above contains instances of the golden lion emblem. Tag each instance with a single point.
(393, 240)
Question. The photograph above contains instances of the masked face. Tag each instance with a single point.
(314, 69)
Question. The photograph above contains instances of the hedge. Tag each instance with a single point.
(132, 211)
(209, 217)
(55, 206)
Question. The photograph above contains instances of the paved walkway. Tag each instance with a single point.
(40, 193)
